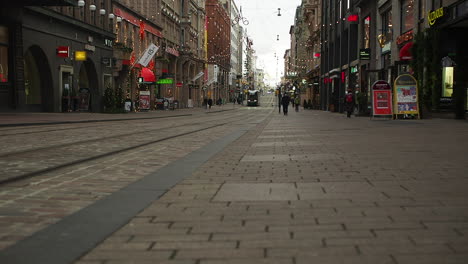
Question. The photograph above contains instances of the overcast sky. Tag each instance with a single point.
(264, 26)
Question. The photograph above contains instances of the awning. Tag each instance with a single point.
(405, 52)
(148, 75)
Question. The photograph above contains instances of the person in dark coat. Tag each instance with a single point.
(285, 102)
(210, 103)
(349, 103)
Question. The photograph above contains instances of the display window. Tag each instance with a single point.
(3, 54)
(447, 81)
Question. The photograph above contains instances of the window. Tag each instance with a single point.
(387, 25)
(447, 82)
(407, 15)
(366, 40)
(422, 9)
(3, 54)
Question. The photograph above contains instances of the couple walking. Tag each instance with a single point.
(285, 100)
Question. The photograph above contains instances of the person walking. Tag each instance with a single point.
(349, 103)
(285, 102)
(210, 103)
(297, 103)
(280, 101)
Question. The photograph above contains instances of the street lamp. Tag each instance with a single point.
(81, 3)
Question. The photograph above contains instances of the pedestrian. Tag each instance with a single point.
(210, 103)
(205, 102)
(297, 103)
(285, 102)
(280, 101)
(166, 104)
(349, 103)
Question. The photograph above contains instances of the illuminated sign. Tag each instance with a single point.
(353, 18)
(80, 55)
(165, 81)
(364, 54)
(408, 36)
(434, 16)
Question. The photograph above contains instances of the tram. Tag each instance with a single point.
(252, 99)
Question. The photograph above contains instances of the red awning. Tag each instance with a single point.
(148, 75)
(405, 52)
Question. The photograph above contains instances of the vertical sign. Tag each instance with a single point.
(381, 98)
(406, 95)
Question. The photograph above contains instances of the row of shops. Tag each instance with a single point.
(50, 61)
(381, 40)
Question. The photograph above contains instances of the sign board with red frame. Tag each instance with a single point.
(63, 51)
(382, 99)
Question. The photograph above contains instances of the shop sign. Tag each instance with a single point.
(179, 85)
(80, 55)
(172, 51)
(402, 39)
(406, 95)
(90, 48)
(354, 69)
(387, 47)
(106, 61)
(435, 16)
(108, 43)
(63, 51)
(381, 98)
(364, 54)
(165, 81)
(353, 18)
(145, 99)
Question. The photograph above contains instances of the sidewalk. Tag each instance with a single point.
(310, 187)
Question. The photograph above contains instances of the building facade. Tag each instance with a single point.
(55, 59)
(219, 47)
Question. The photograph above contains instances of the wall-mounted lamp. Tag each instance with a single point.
(81, 3)
(102, 11)
(119, 19)
(92, 7)
(111, 16)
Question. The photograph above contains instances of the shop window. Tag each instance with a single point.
(3, 54)
(447, 82)
(366, 35)
(407, 15)
(387, 25)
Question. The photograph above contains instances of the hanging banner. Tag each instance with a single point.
(406, 95)
(148, 55)
(381, 98)
(144, 102)
(200, 74)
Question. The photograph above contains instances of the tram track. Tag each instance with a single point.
(27, 155)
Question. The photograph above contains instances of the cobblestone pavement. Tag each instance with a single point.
(311, 187)
(32, 204)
